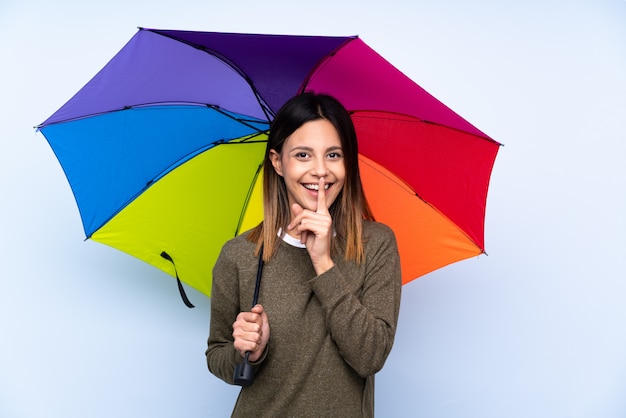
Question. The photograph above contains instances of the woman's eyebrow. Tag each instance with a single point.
(310, 149)
(302, 148)
(335, 148)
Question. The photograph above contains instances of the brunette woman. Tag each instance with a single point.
(330, 290)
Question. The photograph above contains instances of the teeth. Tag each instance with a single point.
(315, 186)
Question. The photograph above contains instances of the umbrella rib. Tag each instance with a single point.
(266, 110)
(323, 61)
(394, 179)
(240, 120)
(247, 201)
(364, 113)
(156, 104)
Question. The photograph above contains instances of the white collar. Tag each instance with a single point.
(294, 242)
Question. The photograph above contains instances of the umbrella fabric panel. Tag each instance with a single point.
(427, 240)
(172, 215)
(447, 168)
(154, 69)
(363, 80)
(107, 162)
(262, 57)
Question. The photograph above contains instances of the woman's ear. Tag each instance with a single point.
(276, 162)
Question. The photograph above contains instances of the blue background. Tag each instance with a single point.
(535, 329)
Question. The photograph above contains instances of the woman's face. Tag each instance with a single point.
(312, 151)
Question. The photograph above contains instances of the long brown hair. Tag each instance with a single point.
(350, 207)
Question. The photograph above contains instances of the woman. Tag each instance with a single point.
(330, 289)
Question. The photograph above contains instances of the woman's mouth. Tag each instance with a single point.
(315, 186)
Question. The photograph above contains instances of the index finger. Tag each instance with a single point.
(321, 196)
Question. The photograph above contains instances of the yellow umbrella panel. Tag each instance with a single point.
(192, 211)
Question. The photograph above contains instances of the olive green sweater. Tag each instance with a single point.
(329, 334)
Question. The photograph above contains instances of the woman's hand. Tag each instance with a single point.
(251, 332)
(315, 229)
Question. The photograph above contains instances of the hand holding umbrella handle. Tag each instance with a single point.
(244, 372)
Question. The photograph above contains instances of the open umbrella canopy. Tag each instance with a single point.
(163, 148)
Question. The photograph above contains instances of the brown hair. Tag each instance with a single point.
(350, 207)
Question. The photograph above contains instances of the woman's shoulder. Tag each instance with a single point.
(377, 235)
(238, 245)
(377, 229)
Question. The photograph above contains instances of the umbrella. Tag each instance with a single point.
(163, 147)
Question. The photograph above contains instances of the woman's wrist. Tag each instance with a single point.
(322, 267)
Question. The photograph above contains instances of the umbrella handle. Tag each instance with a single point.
(244, 372)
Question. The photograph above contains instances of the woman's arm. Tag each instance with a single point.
(364, 328)
(221, 355)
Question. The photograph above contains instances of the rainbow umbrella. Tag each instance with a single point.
(163, 147)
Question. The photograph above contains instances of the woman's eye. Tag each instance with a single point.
(334, 155)
(302, 155)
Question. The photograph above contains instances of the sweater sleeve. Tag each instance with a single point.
(364, 327)
(221, 355)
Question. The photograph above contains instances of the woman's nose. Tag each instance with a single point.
(320, 168)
